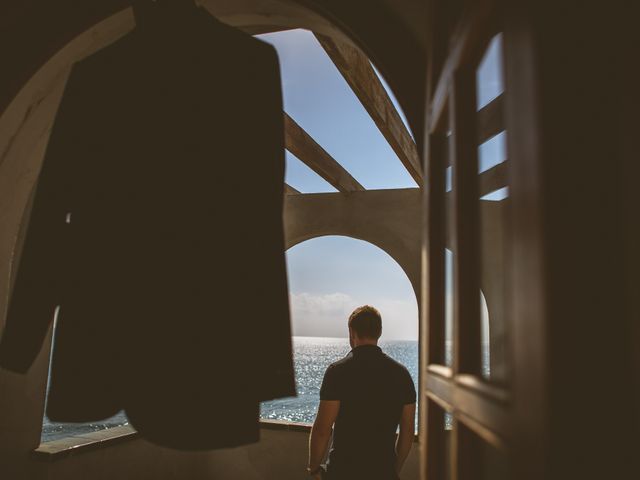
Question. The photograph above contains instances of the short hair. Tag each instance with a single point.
(366, 321)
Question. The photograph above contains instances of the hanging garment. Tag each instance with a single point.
(157, 227)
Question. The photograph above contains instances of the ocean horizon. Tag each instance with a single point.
(312, 356)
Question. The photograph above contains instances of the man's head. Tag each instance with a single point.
(365, 326)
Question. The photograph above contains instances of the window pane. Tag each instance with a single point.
(449, 226)
(448, 308)
(489, 76)
(57, 430)
(493, 223)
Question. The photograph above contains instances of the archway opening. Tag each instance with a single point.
(328, 278)
(370, 157)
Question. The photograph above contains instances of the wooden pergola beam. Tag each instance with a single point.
(490, 119)
(300, 144)
(493, 179)
(359, 74)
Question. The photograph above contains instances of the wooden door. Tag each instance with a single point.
(468, 323)
(526, 331)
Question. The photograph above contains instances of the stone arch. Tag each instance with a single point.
(388, 219)
(338, 234)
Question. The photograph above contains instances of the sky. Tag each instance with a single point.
(330, 276)
(318, 98)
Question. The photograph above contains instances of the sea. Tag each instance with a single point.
(312, 356)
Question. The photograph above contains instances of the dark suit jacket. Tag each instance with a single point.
(167, 155)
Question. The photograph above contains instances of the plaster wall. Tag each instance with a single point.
(280, 455)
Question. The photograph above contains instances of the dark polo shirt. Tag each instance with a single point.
(372, 389)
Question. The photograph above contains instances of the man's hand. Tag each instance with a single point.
(405, 436)
(315, 474)
(321, 432)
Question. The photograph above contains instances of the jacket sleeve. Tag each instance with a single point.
(39, 269)
(273, 332)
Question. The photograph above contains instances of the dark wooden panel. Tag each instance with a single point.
(481, 387)
(466, 285)
(436, 451)
(482, 410)
(440, 371)
(436, 246)
(440, 389)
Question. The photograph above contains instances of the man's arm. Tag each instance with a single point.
(321, 431)
(405, 437)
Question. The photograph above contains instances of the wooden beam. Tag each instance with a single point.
(489, 181)
(300, 144)
(289, 190)
(493, 179)
(490, 119)
(359, 74)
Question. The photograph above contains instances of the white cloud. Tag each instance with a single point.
(326, 315)
(332, 303)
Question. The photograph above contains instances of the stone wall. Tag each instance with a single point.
(281, 454)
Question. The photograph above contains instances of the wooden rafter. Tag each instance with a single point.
(361, 77)
(300, 144)
(490, 119)
(493, 179)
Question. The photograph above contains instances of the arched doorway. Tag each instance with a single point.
(401, 243)
(329, 277)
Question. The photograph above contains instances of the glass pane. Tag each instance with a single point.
(57, 430)
(489, 78)
(493, 223)
(449, 221)
(448, 308)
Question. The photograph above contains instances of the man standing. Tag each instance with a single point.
(364, 397)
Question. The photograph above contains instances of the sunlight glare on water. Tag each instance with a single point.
(312, 356)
